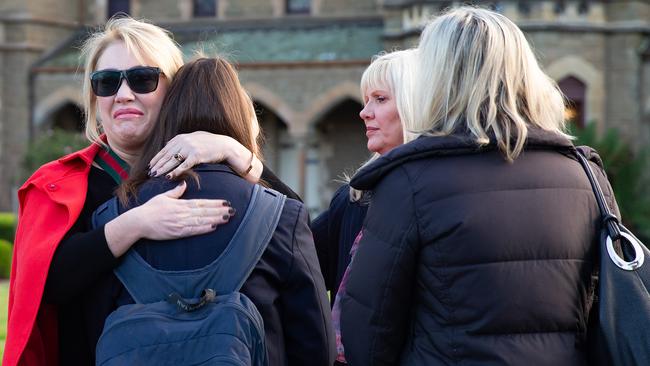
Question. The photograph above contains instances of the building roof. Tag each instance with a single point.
(266, 41)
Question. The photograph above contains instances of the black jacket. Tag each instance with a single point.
(286, 286)
(334, 232)
(468, 259)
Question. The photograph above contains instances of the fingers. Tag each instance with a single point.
(200, 212)
(165, 217)
(186, 165)
(155, 161)
(208, 216)
(199, 217)
(207, 203)
(196, 147)
(162, 156)
(164, 161)
(165, 165)
(205, 225)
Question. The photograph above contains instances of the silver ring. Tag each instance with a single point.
(622, 263)
(179, 157)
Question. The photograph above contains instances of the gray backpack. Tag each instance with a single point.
(193, 317)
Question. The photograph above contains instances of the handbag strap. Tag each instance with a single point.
(613, 229)
(609, 220)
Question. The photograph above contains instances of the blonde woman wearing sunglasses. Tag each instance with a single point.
(60, 266)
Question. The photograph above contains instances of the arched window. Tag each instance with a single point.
(575, 92)
(204, 8)
(341, 149)
(444, 5)
(583, 7)
(118, 6)
(298, 6)
(68, 117)
(524, 6)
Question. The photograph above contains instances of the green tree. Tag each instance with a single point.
(7, 226)
(5, 258)
(50, 146)
(628, 172)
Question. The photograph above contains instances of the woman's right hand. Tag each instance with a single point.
(166, 217)
(185, 151)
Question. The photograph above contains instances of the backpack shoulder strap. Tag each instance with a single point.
(249, 241)
(225, 274)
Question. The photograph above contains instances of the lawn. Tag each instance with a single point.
(4, 294)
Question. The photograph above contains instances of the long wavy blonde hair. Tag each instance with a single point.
(147, 42)
(478, 73)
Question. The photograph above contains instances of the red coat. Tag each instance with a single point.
(50, 203)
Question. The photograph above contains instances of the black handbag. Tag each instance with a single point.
(623, 326)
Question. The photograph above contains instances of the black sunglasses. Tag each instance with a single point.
(141, 80)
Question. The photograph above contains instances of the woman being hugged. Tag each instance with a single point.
(286, 285)
(479, 243)
(61, 268)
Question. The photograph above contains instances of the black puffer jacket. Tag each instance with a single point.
(467, 259)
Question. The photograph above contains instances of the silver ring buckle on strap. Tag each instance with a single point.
(639, 257)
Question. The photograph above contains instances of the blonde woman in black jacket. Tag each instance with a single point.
(479, 243)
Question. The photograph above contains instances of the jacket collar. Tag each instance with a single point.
(87, 155)
(78, 161)
(214, 167)
(454, 144)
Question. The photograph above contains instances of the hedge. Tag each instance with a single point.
(50, 146)
(5, 258)
(627, 170)
(7, 226)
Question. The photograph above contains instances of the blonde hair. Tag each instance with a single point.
(147, 42)
(395, 71)
(478, 72)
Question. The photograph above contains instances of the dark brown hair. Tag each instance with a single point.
(205, 95)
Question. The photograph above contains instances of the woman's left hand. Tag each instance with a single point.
(188, 150)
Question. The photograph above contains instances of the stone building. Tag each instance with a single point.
(301, 60)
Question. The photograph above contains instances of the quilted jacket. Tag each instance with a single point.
(467, 259)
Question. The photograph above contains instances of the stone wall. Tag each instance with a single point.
(578, 54)
(623, 78)
(602, 47)
(349, 8)
(28, 29)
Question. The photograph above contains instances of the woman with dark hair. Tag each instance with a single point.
(286, 285)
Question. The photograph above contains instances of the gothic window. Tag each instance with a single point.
(444, 5)
(524, 6)
(575, 92)
(560, 6)
(583, 6)
(68, 117)
(298, 6)
(118, 6)
(204, 8)
(496, 6)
